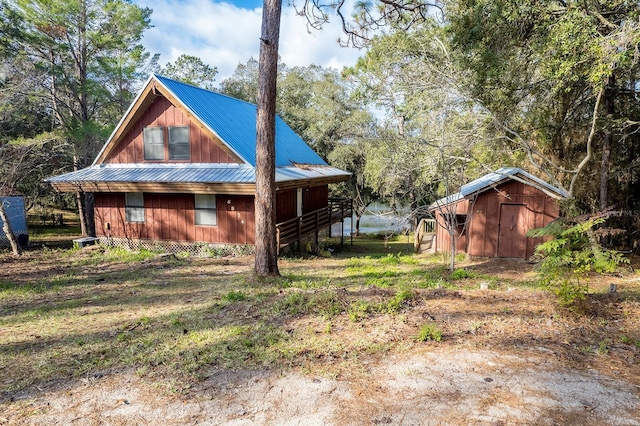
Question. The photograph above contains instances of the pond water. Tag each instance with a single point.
(378, 218)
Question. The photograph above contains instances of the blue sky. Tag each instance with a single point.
(224, 34)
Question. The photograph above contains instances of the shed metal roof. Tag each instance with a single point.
(485, 182)
(234, 121)
(495, 178)
(189, 173)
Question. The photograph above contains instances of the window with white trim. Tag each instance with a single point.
(179, 143)
(206, 213)
(134, 207)
(153, 143)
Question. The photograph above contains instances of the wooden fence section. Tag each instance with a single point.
(313, 222)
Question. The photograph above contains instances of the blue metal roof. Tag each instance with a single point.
(234, 121)
(494, 178)
(189, 173)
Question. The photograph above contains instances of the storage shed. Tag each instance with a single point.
(17, 216)
(495, 212)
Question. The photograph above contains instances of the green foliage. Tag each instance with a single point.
(235, 296)
(324, 303)
(630, 341)
(400, 300)
(603, 349)
(429, 332)
(460, 274)
(90, 52)
(190, 69)
(359, 310)
(570, 256)
(122, 255)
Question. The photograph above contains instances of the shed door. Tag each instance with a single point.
(512, 236)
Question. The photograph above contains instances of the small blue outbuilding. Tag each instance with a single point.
(16, 213)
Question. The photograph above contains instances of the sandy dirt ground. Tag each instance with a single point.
(427, 387)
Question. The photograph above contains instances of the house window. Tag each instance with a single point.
(153, 143)
(206, 209)
(134, 207)
(179, 143)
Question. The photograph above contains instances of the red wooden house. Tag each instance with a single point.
(494, 213)
(180, 167)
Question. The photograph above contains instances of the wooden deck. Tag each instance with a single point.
(312, 223)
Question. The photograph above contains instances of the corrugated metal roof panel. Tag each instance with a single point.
(284, 174)
(234, 121)
(185, 173)
(190, 173)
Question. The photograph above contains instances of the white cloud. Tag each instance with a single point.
(224, 35)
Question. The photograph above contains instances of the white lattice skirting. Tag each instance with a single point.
(192, 248)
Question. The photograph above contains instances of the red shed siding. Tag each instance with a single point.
(171, 217)
(161, 112)
(442, 235)
(482, 237)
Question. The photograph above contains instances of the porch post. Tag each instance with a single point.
(342, 224)
(351, 217)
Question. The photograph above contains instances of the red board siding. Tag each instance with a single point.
(482, 237)
(204, 149)
(315, 198)
(286, 205)
(171, 217)
(442, 235)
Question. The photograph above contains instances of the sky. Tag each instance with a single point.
(224, 34)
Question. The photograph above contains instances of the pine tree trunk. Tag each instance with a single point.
(8, 231)
(266, 261)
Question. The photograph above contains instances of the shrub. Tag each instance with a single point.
(459, 274)
(570, 256)
(429, 332)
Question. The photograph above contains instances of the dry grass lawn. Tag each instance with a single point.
(186, 329)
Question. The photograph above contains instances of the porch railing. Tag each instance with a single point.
(293, 230)
(425, 227)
